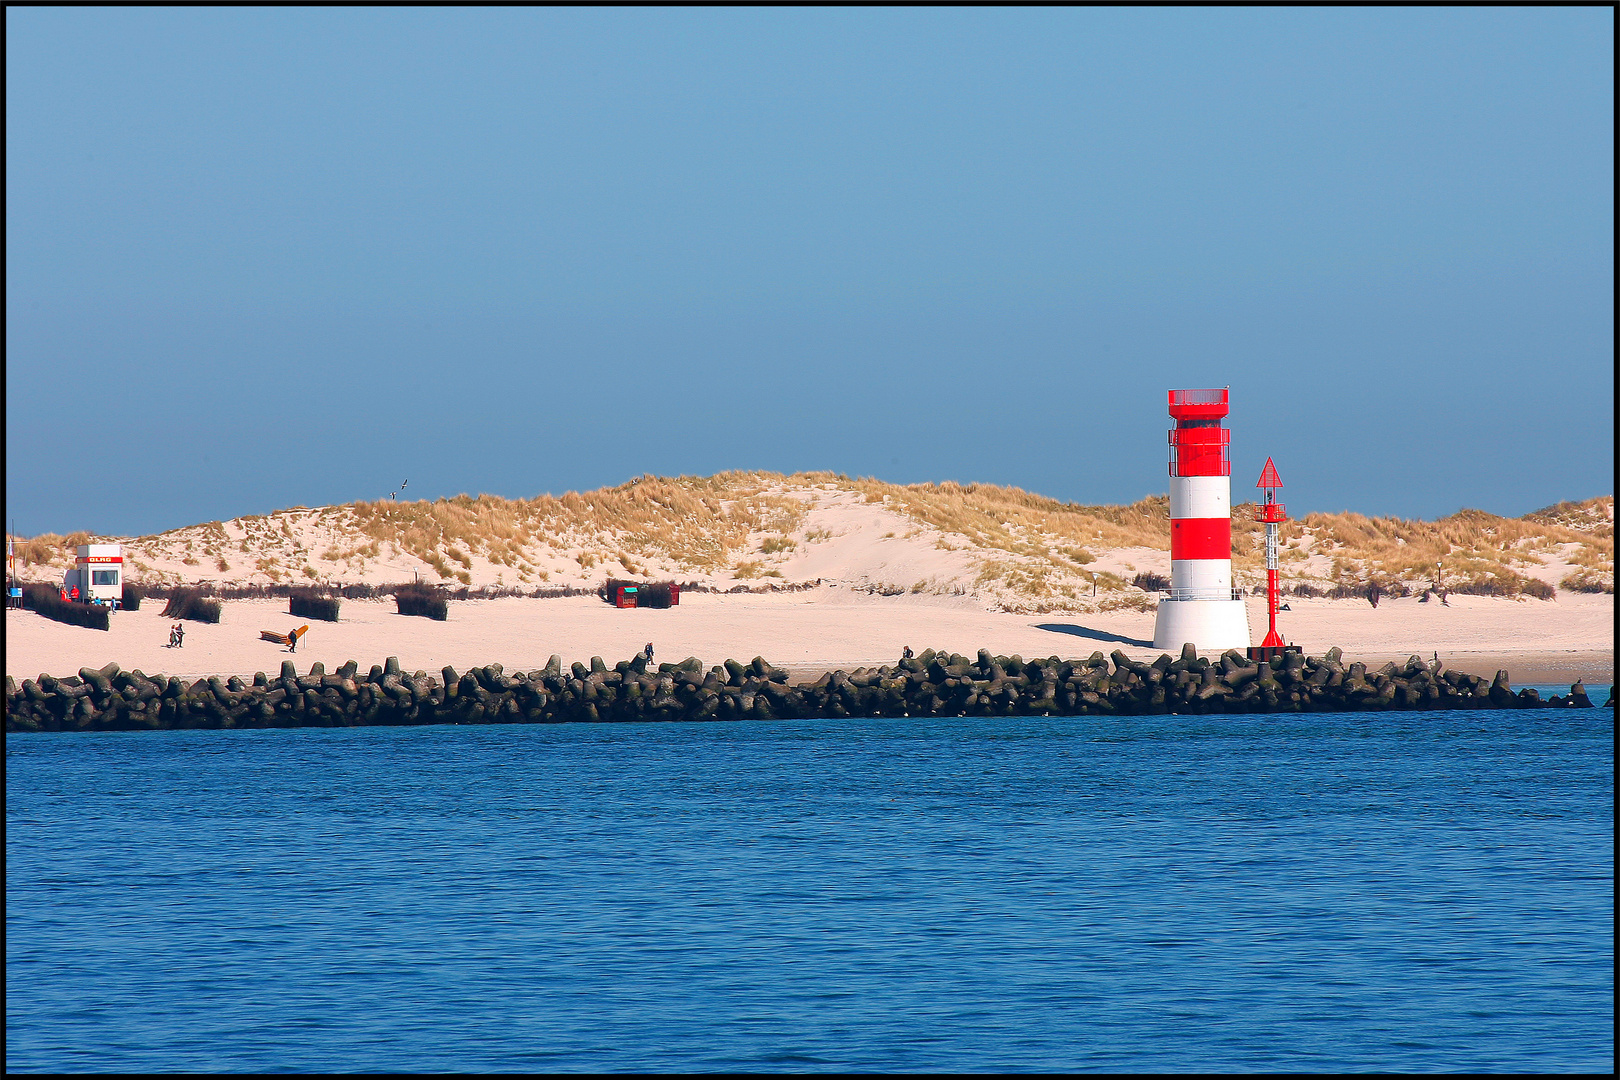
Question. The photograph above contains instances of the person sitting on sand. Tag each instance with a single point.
(906, 653)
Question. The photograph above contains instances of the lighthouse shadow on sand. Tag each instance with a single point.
(1090, 634)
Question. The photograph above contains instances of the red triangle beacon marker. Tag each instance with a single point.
(1269, 477)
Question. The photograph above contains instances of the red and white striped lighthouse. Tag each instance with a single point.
(1202, 607)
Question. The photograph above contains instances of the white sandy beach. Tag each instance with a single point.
(808, 632)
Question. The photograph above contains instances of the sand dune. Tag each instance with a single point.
(1007, 548)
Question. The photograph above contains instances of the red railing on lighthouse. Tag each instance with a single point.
(1199, 404)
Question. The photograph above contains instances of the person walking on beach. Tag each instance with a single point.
(292, 641)
(647, 652)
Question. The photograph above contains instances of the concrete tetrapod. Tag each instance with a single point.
(933, 684)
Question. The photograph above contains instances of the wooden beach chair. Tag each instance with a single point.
(284, 639)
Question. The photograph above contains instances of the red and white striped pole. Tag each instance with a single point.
(1271, 512)
(1201, 608)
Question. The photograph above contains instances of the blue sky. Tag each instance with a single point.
(264, 258)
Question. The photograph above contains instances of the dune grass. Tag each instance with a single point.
(1479, 552)
(50, 549)
(694, 523)
(1594, 516)
(1471, 551)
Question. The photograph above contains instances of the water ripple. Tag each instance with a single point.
(1391, 892)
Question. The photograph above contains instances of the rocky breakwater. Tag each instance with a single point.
(932, 684)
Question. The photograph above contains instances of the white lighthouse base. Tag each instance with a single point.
(1211, 625)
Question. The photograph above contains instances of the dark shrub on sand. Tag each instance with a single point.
(656, 594)
(653, 594)
(191, 604)
(1513, 585)
(1589, 581)
(419, 599)
(1148, 581)
(47, 601)
(1539, 589)
(308, 604)
(133, 595)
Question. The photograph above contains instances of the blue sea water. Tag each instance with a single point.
(1421, 891)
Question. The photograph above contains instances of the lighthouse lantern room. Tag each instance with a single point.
(1202, 608)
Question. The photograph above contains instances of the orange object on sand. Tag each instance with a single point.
(284, 639)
